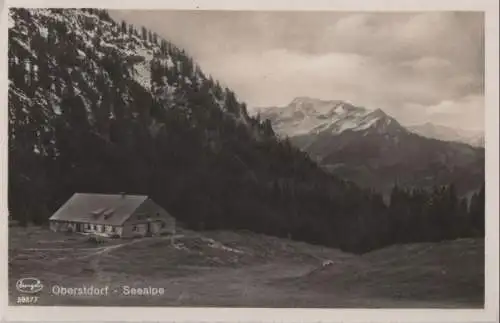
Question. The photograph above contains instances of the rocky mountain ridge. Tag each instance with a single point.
(372, 148)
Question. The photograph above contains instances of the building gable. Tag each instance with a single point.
(149, 218)
(149, 211)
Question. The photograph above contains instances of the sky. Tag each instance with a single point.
(418, 67)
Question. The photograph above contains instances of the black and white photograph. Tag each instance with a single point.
(246, 158)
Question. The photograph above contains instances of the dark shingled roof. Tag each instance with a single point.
(99, 208)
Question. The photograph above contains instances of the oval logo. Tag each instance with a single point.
(29, 285)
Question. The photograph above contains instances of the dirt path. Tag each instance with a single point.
(106, 249)
(95, 251)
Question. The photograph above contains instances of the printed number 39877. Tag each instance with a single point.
(27, 300)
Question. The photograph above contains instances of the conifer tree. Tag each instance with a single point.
(477, 212)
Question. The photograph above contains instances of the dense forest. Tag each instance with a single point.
(82, 118)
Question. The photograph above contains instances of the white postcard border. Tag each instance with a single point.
(186, 314)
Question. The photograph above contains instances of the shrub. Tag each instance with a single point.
(95, 239)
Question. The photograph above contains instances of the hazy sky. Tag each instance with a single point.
(417, 67)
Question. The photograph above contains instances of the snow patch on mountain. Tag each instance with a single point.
(367, 125)
(143, 70)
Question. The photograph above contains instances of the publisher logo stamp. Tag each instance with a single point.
(29, 285)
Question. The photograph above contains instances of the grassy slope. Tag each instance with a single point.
(245, 269)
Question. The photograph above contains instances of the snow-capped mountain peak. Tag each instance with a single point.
(378, 113)
(306, 115)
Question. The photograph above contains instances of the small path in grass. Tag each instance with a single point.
(94, 251)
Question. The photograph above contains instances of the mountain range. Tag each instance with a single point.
(101, 106)
(372, 148)
(430, 130)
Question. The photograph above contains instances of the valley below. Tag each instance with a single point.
(243, 269)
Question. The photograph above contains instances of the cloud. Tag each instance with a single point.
(277, 76)
(392, 61)
(427, 64)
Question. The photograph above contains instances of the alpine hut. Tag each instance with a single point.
(116, 215)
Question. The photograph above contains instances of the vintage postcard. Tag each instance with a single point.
(207, 162)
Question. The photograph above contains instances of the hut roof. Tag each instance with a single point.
(111, 209)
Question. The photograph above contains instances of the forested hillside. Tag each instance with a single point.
(102, 106)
